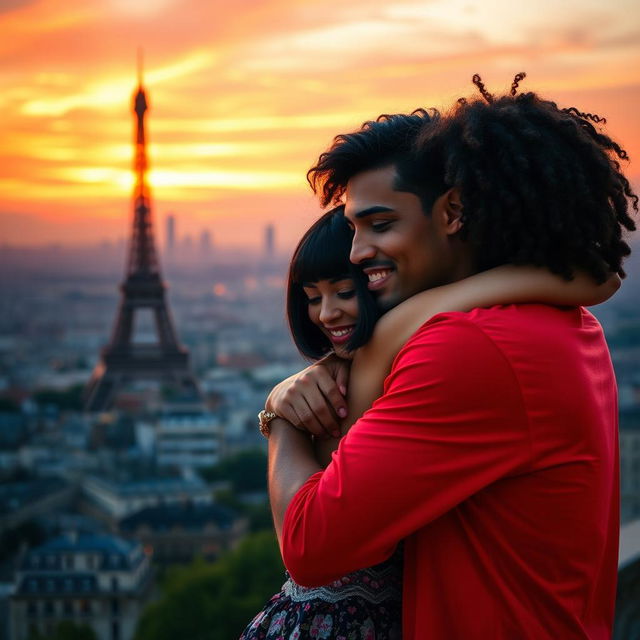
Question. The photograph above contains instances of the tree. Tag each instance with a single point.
(29, 533)
(216, 601)
(9, 405)
(66, 400)
(245, 470)
(65, 630)
(69, 630)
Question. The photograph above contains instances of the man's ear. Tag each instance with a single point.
(448, 209)
(452, 206)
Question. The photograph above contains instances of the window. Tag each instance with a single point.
(68, 607)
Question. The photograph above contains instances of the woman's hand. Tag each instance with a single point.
(314, 398)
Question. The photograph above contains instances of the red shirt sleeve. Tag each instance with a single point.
(451, 421)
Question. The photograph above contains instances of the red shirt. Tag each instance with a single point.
(493, 453)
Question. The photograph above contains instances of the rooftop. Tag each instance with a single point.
(150, 485)
(189, 516)
(84, 541)
(15, 495)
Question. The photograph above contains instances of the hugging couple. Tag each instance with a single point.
(448, 466)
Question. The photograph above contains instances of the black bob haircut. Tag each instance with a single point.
(323, 254)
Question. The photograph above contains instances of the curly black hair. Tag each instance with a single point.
(539, 184)
(387, 140)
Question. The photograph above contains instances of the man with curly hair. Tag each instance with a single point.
(493, 450)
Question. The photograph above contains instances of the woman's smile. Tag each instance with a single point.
(333, 308)
(340, 335)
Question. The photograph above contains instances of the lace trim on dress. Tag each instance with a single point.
(376, 585)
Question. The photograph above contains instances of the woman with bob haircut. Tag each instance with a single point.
(323, 254)
(332, 313)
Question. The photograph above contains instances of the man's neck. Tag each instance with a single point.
(464, 266)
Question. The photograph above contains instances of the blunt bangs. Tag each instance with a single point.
(324, 251)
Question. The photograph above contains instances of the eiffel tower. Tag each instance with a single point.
(123, 360)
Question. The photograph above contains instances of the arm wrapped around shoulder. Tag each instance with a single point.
(450, 422)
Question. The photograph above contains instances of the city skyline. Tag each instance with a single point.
(113, 520)
(244, 97)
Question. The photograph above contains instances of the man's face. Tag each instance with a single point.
(400, 248)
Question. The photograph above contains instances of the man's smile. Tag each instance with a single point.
(377, 276)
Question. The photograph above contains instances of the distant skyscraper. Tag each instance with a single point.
(170, 239)
(206, 243)
(269, 240)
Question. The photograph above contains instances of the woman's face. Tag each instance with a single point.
(333, 307)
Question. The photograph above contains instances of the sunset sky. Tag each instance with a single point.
(244, 95)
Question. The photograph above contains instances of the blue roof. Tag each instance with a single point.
(88, 542)
(189, 516)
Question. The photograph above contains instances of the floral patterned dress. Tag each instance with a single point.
(364, 605)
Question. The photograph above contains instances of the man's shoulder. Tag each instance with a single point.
(454, 353)
(513, 318)
(532, 325)
(470, 324)
(450, 335)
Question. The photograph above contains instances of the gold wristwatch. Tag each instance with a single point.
(264, 421)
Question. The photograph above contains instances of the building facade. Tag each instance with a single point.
(96, 580)
(188, 439)
(178, 533)
(111, 500)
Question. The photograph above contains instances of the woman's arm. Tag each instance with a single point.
(507, 284)
(503, 285)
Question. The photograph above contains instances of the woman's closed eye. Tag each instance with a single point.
(346, 295)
